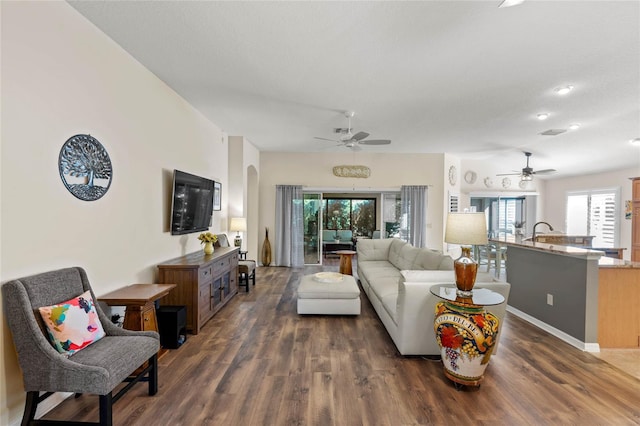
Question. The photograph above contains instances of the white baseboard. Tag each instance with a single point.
(587, 347)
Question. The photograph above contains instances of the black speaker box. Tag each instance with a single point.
(172, 325)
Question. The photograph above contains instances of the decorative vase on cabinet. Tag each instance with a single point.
(208, 248)
(266, 249)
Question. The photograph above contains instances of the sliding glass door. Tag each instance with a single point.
(312, 203)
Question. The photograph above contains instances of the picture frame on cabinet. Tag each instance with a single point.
(217, 196)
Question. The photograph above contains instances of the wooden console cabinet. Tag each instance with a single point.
(205, 283)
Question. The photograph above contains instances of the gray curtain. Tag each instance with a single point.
(289, 232)
(414, 214)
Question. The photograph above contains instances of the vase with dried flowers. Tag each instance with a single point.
(208, 239)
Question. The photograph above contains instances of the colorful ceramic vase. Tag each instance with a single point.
(466, 334)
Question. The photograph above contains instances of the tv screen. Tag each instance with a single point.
(192, 203)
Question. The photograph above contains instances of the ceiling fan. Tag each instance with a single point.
(349, 140)
(527, 172)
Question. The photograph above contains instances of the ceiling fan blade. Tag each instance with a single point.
(376, 142)
(325, 139)
(508, 174)
(359, 136)
(543, 172)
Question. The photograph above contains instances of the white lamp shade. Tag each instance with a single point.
(238, 224)
(466, 228)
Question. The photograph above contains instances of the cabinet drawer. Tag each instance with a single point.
(222, 264)
(204, 274)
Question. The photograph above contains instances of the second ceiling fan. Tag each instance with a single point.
(353, 141)
(527, 172)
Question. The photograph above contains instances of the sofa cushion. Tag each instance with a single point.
(373, 250)
(395, 251)
(385, 286)
(408, 254)
(428, 276)
(345, 234)
(377, 269)
(431, 260)
(328, 235)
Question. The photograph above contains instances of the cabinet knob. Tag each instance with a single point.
(146, 319)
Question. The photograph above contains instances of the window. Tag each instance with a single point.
(594, 212)
(503, 213)
(358, 215)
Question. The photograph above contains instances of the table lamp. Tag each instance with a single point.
(238, 224)
(466, 229)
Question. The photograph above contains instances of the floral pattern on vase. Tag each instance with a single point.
(466, 335)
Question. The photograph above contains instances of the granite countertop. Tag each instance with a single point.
(510, 240)
(610, 262)
(603, 261)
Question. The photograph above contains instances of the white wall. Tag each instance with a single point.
(244, 168)
(61, 76)
(555, 210)
(388, 171)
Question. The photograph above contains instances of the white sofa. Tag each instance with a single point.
(397, 278)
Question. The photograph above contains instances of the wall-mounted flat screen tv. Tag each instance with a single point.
(192, 203)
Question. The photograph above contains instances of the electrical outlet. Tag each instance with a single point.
(549, 299)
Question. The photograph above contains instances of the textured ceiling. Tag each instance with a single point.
(467, 78)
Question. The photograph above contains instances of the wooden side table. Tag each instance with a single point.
(345, 261)
(139, 300)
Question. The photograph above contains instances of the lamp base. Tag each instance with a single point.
(466, 270)
(237, 241)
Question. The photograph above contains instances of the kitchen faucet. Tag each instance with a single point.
(533, 237)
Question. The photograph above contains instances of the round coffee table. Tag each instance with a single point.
(345, 261)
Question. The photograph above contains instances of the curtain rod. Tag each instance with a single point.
(354, 189)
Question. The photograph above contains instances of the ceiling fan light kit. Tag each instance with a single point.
(349, 140)
(527, 172)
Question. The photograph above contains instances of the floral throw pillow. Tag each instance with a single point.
(72, 325)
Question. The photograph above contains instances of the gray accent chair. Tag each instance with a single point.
(97, 369)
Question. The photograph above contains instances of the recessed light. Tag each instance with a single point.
(574, 126)
(564, 90)
(635, 141)
(543, 116)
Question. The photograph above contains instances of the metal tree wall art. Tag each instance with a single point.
(85, 167)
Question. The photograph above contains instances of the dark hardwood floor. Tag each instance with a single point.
(259, 363)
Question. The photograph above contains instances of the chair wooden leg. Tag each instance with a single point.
(153, 375)
(253, 278)
(106, 405)
(30, 407)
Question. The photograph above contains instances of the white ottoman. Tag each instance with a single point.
(328, 298)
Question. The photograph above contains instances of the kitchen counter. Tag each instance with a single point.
(555, 287)
(511, 241)
(610, 262)
(583, 295)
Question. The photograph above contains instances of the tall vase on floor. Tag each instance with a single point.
(266, 249)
